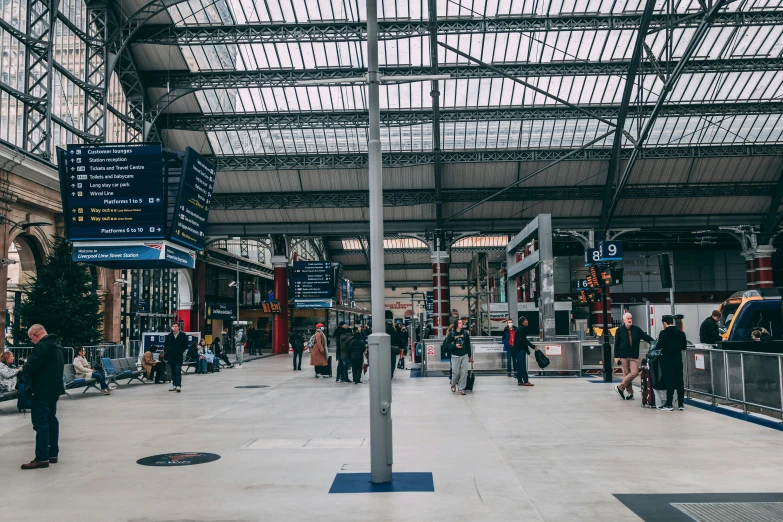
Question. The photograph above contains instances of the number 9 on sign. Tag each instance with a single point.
(611, 250)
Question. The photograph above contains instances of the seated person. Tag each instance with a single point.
(85, 371)
(201, 366)
(761, 335)
(219, 355)
(210, 358)
(8, 372)
(191, 356)
(153, 367)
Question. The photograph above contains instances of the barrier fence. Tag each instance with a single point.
(92, 353)
(748, 379)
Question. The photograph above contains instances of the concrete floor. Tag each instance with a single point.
(557, 451)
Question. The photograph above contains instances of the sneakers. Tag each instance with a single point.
(619, 392)
(173, 388)
(179, 389)
(35, 465)
(629, 398)
(105, 392)
(239, 366)
(667, 408)
(681, 408)
(528, 384)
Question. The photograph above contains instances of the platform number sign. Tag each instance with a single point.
(592, 256)
(611, 250)
(581, 284)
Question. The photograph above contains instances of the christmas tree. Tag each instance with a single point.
(62, 297)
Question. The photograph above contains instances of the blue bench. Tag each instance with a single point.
(71, 381)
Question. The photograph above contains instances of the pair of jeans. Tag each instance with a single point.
(511, 363)
(47, 429)
(672, 374)
(223, 357)
(346, 366)
(158, 372)
(459, 371)
(339, 370)
(298, 357)
(98, 376)
(356, 369)
(201, 366)
(176, 374)
(521, 359)
(630, 371)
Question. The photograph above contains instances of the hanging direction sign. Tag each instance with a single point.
(189, 226)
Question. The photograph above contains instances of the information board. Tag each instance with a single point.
(112, 192)
(189, 226)
(312, 280)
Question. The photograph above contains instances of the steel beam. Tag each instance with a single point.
(399, 198)
(356, 31)
(630, 80)
(505, 226)
(408, 159)
(414, 266)
(358, 119)
(191, 81)
(432, 27)
(681, 68)
(773, 216)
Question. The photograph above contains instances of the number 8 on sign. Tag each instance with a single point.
(592, 255)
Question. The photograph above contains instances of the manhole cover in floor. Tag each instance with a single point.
(254, 386)
(178, 459)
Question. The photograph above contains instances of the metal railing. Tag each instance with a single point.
(92, 353)
(23, 353)
(729, 377)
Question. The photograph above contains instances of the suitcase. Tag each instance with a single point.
(326, 371)
(401, 362)
(471, 379)
(660, 398)
(210, 367)
(648, 397)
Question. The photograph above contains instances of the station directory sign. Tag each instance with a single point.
(312, 280)
(113, 192)
(189, 226)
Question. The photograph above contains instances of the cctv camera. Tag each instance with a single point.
(232, 284)
(5, 261)
(120, 281)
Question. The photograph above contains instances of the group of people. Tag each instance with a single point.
(350, 350)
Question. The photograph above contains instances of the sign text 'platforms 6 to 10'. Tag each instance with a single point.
(113, 192)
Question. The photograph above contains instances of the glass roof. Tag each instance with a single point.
(574, 64)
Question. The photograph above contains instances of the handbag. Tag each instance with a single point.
(654, 352)
(541, 359)
(401, 362)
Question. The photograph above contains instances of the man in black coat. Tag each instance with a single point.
(708, 331)
(521, 351)
(297, 344)
(174, 349)
(626, 353)
(672, 343)
(44, 373)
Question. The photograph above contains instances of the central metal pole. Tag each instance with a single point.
(608, 361)
(380, 344)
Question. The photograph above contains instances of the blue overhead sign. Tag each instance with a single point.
(112, 192)
(134, 255)
(581, 284)
(611, 250)
(312, 280)
(189, 226)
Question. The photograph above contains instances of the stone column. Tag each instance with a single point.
(441, 294)
(763, 266)
(280, 321)
(110, 295)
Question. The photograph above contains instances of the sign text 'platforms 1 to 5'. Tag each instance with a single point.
(113, 191)
(189, 226)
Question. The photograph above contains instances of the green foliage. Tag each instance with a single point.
(63, 298)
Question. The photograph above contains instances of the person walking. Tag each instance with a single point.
(508, 345)
(356, 349)
(174, 349)
(672, 343)
(297, 344)
(342, 329)
(626, 352)
(458, 341)
(709, 332)
(44, 373)
(318, 353)
(391, 331)
(84, 371)
(521, 350)
(239, 342)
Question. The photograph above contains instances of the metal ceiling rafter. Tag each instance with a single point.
(356, 31)
(409, 159)
(291, 77)
(403, 198)
(630, 80)
(358, 119)
(673, 78)
(432, 27)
